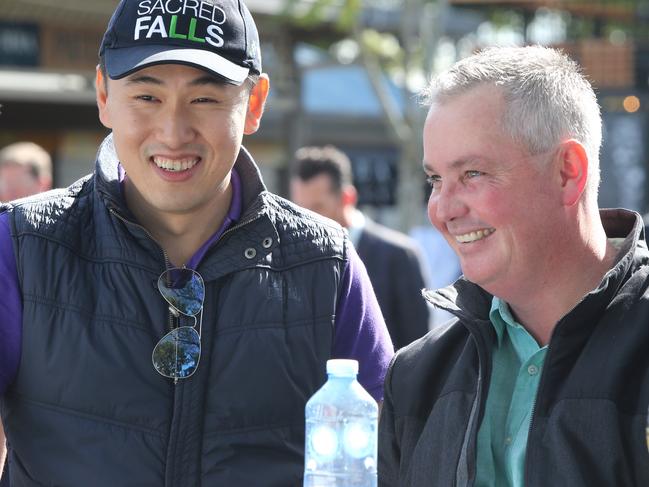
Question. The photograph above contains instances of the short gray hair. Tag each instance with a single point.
(547, 97)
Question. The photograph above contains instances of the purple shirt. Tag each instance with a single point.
(360, 331)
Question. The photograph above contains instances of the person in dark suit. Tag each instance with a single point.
(321, 181)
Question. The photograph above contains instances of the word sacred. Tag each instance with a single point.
(201, 9)
(214, 33)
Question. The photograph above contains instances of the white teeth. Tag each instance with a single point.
(473, 236)
(175, 164)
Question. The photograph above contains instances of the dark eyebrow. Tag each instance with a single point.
(143, 79)
(206, 80)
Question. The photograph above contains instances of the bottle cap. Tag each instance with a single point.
(342, 367)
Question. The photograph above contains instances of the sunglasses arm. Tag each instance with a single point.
(200, 323)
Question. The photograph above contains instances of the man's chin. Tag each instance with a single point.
(479, 277)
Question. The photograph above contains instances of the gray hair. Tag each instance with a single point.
(547, 97)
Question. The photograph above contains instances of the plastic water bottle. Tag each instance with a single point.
(341, 431)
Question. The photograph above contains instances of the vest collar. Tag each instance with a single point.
(246, 247)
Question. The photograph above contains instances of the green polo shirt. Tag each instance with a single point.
(516, 369)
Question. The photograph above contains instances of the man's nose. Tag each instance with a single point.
(447, 203)
(175, 126)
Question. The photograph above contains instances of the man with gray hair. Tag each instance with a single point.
(542, 377)
(25, 169)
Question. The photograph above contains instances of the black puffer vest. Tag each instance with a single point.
(88, 408)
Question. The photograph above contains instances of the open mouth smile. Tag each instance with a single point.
(474, 236)
(175, 165)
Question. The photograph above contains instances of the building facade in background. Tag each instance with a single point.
(48, 52)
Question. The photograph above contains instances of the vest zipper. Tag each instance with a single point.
(237, 226)
(467, 461)
(133, 224)
(171, 464)
(177, 404)
(172, 315)
(483, 384)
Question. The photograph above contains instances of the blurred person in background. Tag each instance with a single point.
(158, 326)
(321, 180)
(542, 379)
(25, 169)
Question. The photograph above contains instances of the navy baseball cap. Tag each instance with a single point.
(218, 36)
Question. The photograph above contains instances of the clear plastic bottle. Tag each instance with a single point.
(341, 431)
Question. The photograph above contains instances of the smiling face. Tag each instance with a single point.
(497, 206)
(177, 132)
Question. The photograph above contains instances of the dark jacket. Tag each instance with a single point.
(588, 422)
(394, 265)
(87, 407)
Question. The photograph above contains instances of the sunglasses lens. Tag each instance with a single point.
(177, 354)
(183, 289)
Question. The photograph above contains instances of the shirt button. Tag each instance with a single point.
(508, 441)
(532, 370)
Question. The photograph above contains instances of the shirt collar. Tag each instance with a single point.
(356, 227)
(500, 317)
(503, 321)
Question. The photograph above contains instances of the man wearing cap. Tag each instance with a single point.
(165, 319)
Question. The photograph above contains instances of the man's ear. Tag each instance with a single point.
(256, 103)
(349, 195)
(101, 91)
(573, 170)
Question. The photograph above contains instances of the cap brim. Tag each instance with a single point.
(124, 61)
